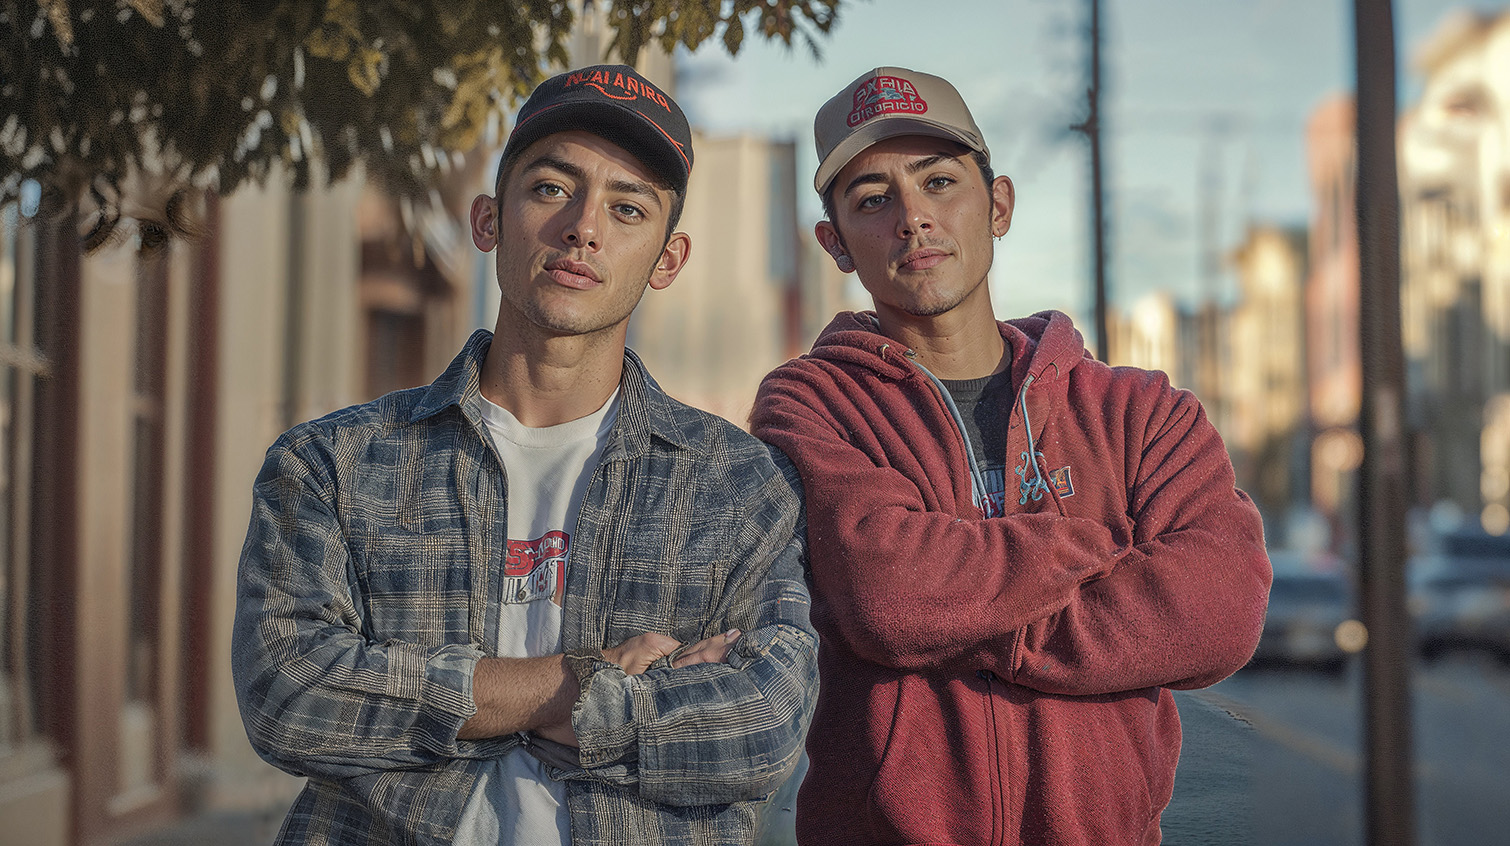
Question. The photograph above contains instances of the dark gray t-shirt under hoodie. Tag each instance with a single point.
(985, 407)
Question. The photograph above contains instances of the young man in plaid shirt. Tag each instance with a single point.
(538, 601)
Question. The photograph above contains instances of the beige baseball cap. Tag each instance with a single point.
(884, 103)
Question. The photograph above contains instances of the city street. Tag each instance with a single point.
(1301, 757)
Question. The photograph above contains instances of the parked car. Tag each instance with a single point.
(1310, 621)
(1460, 595)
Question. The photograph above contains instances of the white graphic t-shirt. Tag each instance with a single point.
(548, 470)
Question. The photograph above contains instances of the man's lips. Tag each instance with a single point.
(572, 274)
(922, 259)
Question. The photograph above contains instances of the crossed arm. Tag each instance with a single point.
(537, 694)
(1171, 593)
(320, 698)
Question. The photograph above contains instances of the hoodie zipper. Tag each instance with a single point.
(998, 767)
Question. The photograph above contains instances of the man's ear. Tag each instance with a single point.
(673, 258)
(828, 238)
(1003, 200)
(484, 222)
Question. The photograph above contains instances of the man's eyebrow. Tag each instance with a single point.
(637, 188)
(864, 179)
(549, 161)
(623, 186)
(930, 161)
(912, 168)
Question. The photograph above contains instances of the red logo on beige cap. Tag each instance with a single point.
(882, 95)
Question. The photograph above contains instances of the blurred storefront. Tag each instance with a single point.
(141, 384)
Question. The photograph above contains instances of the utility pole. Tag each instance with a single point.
(1207, 375)
(1389, 795)
(1092, 129)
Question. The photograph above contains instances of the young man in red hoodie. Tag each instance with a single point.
(1016, 550)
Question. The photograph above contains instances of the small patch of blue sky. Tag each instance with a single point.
(1206, 106)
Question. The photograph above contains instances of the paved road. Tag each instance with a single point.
(1307, 755)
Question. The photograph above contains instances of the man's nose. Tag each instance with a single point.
(914, 216)
(581, 227)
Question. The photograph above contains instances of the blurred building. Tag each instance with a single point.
(1147, 335)
(824, 290)
(1455, 209)
(1246, 362)
(757, 290)
(139, 391)
(1268, 429)
(1333, 365)
(1204, 349)
(730, 316)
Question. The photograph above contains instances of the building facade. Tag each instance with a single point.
(727, 320)
(1455, 299)
(1334, 371)
(1268, 429)
(142, 383)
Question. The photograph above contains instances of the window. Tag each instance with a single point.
(144, 574)
(21, 367)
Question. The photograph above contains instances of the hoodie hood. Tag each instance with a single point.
(1045, 345)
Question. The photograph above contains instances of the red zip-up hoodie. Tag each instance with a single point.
(1006, 680)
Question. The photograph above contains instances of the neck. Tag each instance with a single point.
(962, 343)
(549, 380)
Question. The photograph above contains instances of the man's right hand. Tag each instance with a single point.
(637, 654)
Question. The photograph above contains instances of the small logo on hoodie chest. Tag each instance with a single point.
(1061, 481)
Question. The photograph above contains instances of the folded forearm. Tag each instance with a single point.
(520, 694)
(683, 736)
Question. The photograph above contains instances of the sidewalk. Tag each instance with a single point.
(221, 828)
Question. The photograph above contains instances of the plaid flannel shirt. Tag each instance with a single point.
(374, 560)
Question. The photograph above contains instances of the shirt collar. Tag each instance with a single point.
(644, 408)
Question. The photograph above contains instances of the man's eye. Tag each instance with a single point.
(630, 211)
(938, 182)
(871, 202)
(550, 189)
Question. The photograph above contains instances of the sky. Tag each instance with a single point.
(1205, 105)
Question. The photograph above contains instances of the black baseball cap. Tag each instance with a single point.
(615, 103)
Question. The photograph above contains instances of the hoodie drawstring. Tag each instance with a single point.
(1036, 487)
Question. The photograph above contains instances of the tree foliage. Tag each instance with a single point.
(217, 93)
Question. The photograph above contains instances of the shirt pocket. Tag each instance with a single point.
(413, 586)
(674, 597)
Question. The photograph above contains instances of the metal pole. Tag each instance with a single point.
(1389, 795)
(1098, 222)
